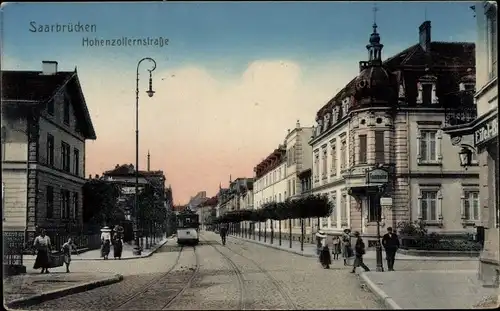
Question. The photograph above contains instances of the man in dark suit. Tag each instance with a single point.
(390, 241)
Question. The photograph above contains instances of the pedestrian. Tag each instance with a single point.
(337, 248)
(359, 250)
(346, 246)
(105, 242)
(67, 249)
(390, 241)
(324, 251)
(42, 246)
(223, 232)
(117, 246)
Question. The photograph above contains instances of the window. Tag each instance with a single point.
(471, 205)
(379, 147)
(289, 185)
(49, 200)
(279, 197)
(50, 150)
(325, 164)
(343, 155)
(333, 164)
(427, 93)
(428, 205)
(65, 204)
(343, 208)
(428, 146)
(66, 111)
(333, 216)
(65, 157)
(293, 186)
(316, 166)
(74, 207)
(491, 17)
(374, 210)
(362, 149)
(50, 107)
(76, 162)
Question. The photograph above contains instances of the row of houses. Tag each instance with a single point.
(45, 125)
(412, 115)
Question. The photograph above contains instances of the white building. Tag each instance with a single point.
(270, 180)
(298, 159)
(480, 136)
(330, 154)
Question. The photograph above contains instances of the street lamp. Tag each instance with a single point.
(378, 249)
(150, 93)
(465, 157)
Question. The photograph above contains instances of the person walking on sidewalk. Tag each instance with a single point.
(359, 250)
(117, 246)
(346, 246)
(67, 249)
(336, 250)
(390, 241)
(105, 242)
(42, 246)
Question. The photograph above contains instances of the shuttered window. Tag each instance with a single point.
(362, 149)
(379, 147)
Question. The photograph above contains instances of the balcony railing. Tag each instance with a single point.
(460, 108)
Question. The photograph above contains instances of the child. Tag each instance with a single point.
(337, 249)
(67, 248)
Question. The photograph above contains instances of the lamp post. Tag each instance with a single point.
(150, 93)
(465, 157)
(380, 265)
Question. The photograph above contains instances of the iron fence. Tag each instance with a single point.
(13, 245)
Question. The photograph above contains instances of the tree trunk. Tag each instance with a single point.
(259, 229)
(279, 228)
(290, 232)
(272, 231)
(302, 234)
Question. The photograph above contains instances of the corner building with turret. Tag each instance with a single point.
(391, 117)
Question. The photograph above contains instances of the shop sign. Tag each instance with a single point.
(378, 176)
(486, 132)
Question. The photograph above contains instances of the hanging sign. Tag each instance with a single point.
(488, 131)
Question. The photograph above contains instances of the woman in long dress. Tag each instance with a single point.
(346, 246)
(106, 242)
(43, 246)
(117, 246)
(324, 251)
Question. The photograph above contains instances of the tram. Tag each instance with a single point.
(187, 228)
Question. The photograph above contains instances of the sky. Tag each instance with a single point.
(232, 78)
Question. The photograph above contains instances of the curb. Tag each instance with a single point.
(54, 294)
(277, 247)
(365, 258)
(388, 301)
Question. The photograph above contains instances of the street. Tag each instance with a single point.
(240, 275)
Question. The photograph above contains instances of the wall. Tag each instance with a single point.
(15, 200)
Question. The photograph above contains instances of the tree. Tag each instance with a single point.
(99, 201)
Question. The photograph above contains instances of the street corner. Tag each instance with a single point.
(33, 288)
(371, 284)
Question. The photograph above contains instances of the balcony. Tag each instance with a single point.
(460, 108)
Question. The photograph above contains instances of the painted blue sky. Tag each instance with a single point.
(239, 32)
(233, 78)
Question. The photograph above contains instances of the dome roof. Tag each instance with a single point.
(375, 83)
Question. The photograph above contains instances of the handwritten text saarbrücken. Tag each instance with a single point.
(58, 27)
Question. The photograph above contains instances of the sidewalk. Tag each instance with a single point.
(310, 250)
(26, 289)
(445, 289)
(127, 252)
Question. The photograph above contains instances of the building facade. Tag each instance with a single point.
(481, 136)
(270, 180)
(330, 153)
(395, 113)
(46, 123)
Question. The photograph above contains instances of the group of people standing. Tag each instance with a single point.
(342, 245)
(115, 237)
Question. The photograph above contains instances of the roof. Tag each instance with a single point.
(35, 86)
(128, 169)
(442, 55)
(277, 157)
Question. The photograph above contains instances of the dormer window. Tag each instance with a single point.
(345, 105)
(320, 127)
(326, 118)
(427, 90)
(335, 114)
(467, 87)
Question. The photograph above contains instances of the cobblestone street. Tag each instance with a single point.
(240, 275)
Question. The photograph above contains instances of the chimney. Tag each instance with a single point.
(117, 166)
(149, 160)
(49, 67)
(297, 125)
(425, 36)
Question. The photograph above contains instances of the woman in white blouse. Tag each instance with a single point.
(42, 245)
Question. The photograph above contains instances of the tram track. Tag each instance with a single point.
(153, 289)
(239, 276)
(277, 284)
